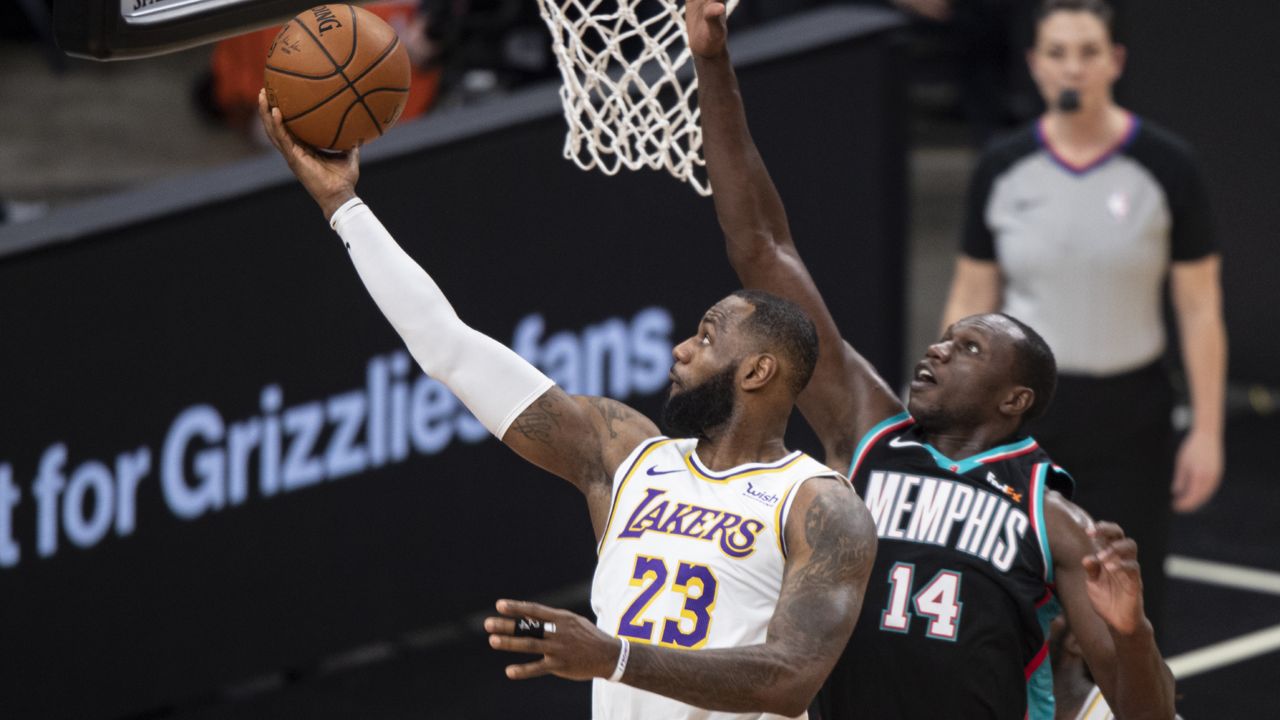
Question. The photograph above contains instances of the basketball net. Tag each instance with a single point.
(625, 100)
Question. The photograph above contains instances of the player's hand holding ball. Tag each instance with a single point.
(330, 178)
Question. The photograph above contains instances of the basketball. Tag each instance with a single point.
(339, 75)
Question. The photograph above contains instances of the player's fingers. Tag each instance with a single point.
(527, 609)
(528, 670)
(279, 134)
(1117, 566)
(1092, 567)
(1124, 549)
(1107, 532)
(268, 119)
(713, 10)
(510, 643)
(500, 625)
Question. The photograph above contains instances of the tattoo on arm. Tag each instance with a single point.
(841, 554)
(611, 411)
(729, 680)
(540, 421)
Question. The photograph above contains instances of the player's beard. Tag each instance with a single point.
(696, 410)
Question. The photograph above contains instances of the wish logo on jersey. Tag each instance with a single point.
(735, 534)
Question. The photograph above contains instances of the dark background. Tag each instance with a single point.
(1210, 73)
(109, 334)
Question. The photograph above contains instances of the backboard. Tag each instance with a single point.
(125, 29)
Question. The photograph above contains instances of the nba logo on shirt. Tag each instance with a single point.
(1118, 204)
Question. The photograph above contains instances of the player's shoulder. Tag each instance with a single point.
(1041, 468)
(890, 432)
(646, 452)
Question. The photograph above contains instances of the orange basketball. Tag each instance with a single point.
(339, 75)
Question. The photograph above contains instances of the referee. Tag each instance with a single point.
(1074, 225)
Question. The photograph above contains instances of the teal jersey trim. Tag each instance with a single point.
(1037, 503)
(1040, 701)
(870, 437)
(961, 467)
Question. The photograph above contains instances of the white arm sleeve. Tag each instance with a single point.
(489, 378)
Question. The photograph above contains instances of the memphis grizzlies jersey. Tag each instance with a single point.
(955, 619)
(691, 559)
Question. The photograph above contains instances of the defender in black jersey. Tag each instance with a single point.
(979, 543)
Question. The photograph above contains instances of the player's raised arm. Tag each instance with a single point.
(580, 439)
(1100, 586)
(831, 543)
(846, 396)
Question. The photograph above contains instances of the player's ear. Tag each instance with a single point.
(757, 371)
(1018, 401)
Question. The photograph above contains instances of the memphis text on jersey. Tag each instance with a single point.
(923, 509)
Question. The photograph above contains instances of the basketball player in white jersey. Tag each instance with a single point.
(731, 571)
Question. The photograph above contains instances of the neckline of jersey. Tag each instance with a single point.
(1000, 452)
(699, 469)
(964, 465)
(1079, 170)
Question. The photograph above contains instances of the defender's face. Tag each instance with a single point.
(713, 348)
(1074, 51)
(964, 376)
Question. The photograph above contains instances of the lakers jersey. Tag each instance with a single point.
(955, 619)
(691, 559)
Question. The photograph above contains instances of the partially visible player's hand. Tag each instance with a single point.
(1197, 471)
(1114, 578)
(705, 21)
(330, 179)
(577, 650)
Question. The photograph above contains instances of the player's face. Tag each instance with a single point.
(704, 375)
(964, 376)
(1073, 51)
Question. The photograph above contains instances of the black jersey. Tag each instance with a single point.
(955, 619)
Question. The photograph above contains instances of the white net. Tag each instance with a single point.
(625, 99)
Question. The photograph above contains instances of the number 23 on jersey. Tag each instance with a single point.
(698, 585)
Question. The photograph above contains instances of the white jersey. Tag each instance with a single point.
(691, 559)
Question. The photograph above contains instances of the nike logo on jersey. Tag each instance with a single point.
(900, 443)
(653, 471)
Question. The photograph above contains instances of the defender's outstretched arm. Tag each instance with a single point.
(846, 397)
(578, 438)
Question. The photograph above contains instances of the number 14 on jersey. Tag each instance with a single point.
(938, 600)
